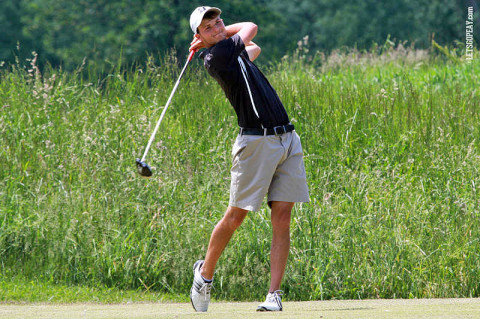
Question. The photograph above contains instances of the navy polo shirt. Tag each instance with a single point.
(221, 62)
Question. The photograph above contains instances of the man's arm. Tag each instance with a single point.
(253, 50)
(247, 31)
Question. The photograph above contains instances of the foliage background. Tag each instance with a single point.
(390, 135)
(67, 32)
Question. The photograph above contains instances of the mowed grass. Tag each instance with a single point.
(19, 290)
(393, 308)
(391, 147)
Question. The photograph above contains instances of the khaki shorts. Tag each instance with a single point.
(270, 165)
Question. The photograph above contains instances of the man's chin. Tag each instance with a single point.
(221, 37)
(217, 39)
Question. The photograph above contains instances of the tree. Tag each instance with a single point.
(103, 31)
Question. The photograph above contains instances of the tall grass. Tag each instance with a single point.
(391, 147)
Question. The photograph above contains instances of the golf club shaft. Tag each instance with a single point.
(192, 53)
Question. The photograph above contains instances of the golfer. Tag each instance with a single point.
(267, 154)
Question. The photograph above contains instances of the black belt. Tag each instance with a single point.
(277, 130)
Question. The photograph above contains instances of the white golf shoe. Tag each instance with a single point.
(273, 302)
(200, 292)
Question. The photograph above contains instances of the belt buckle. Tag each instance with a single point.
(277, 133)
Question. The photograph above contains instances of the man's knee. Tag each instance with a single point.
(234, 217)
(281, 214)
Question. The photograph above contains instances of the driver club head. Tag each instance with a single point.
(143, 169)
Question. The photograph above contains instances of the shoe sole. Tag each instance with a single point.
(263, 309)
(191, 300)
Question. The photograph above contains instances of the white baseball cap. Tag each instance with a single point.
(197, 16)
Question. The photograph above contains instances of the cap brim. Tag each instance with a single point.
(212, 9)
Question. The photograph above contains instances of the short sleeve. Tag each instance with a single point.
(224, 53)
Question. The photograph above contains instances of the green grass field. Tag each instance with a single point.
(392, 155)
(395, 308)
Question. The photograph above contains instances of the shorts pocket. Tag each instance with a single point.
(238, 147)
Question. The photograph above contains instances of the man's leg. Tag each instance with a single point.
(221, 235)
(203, 270)
(281, 214)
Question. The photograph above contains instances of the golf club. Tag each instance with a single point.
(142, 167)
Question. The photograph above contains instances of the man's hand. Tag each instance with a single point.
(196, 44)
